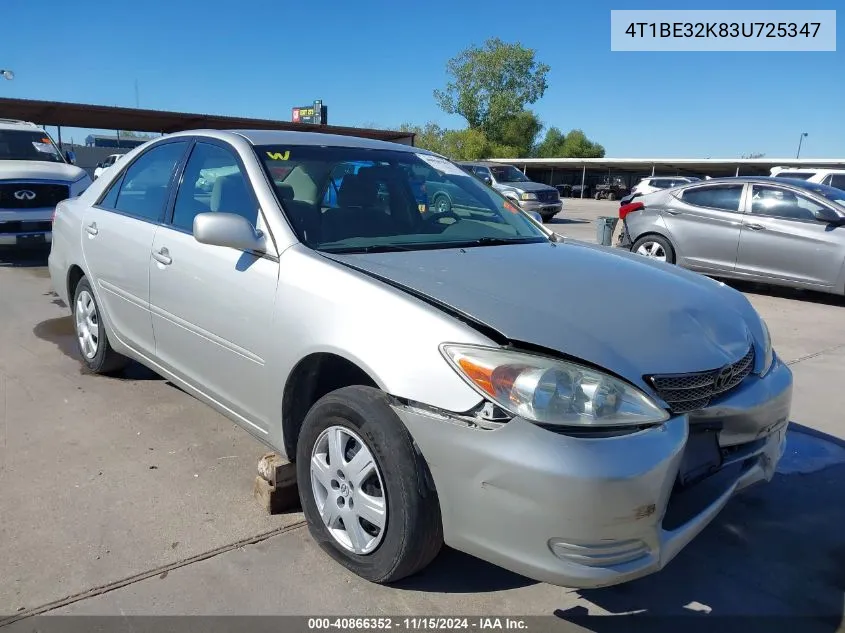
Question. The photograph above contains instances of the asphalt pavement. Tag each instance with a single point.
(127, 496)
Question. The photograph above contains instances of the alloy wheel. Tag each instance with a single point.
(87, 324)
(348, 490)
(652, 250)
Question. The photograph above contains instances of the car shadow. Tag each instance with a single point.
(565, 221)
(24, 257)
(785, 292)
(773, 560)
(455, 572)
(62, 333)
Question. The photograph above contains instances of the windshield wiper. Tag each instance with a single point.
(372, 248)
(496, 241)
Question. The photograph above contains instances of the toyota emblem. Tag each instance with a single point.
(25, 194)
(723, 380)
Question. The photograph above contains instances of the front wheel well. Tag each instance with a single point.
(312, 378)
(74, 274)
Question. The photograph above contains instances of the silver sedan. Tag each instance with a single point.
(775, 230)
(430, 385)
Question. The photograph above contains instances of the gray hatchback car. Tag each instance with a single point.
(429, 384)
(775, 230)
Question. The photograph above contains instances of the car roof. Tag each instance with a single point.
(483, 163)
(285, 137)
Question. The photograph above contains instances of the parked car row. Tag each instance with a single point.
(414, 361)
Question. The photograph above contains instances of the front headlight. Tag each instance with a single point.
(527, 195)
(551, 391)
(768, 352)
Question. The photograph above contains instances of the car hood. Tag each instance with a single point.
(39, 170)
(527, 186)
(622, 312)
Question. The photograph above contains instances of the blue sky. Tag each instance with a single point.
(377, 61)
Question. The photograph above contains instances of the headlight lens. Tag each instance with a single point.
(768, 352)
(551, 391)
(527, 196)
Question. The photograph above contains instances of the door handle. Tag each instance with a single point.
(673, 212)
(162, 256)
(92, 228)
(755, 227)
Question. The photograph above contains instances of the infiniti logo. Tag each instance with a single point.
(25, 194)
(723, 380)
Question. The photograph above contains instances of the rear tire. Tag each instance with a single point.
(611, 196)
(91, 338)
(655, 247)
(411, 533)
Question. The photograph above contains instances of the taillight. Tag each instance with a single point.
(625, 209)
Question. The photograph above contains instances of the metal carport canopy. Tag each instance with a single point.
(82, 115)
(700, 165)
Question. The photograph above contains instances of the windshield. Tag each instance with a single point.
(508, 173)
(341, 199)
(28, 145)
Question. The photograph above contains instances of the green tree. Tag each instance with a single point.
(468, 144)
(515, 134)
(492, 82)
(556, 144)
(429, 136)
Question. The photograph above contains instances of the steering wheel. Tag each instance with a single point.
(436, 217)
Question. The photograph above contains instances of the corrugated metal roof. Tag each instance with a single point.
(116, 118)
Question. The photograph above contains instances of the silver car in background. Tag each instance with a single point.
(774, 230)
(429, 384)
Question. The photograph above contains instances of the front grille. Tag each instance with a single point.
(548, 195)
(690, 392)
(31, 195)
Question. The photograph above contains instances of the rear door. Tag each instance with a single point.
(118, 234)
(704, 223)
(781, 239)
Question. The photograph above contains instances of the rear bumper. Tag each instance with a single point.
(590, 512)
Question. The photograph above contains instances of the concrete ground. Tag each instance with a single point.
(127, 496)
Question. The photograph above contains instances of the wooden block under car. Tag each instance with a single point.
(275, 486)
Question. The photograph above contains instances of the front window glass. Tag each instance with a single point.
(782, 203)
(363, 200)
(508, 173)
(28, 145)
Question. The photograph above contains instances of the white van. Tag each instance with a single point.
(831, 177)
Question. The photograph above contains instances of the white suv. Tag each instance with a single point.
(830, 177)
(103, 166)
(657, 183)
(34, 178)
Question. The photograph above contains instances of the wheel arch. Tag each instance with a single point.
(74, 275)
(311, 378)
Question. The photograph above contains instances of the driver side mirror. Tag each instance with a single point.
(828, 216)
(487, 180)
(228, 230)
(70, 157)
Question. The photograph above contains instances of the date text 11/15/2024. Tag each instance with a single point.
(415, 623)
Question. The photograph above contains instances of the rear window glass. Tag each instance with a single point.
(723, 197)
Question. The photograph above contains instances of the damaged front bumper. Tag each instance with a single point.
(587, 511)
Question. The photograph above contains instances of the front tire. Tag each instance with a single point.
(91, 338)
(655, 247)
(366, 492)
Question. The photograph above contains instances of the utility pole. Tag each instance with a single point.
(800, 139)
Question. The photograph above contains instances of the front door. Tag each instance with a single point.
(212, 307)
(703, 223)
(118, 234)
(782, 239)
